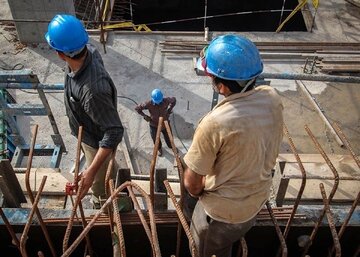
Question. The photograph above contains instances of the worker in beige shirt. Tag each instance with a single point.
(234, 148)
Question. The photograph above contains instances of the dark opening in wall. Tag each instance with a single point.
(226, 15)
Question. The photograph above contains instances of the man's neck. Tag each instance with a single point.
(76, 64)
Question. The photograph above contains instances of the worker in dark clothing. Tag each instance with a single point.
(158, 106)
(90, 99)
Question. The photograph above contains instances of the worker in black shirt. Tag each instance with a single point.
(90, 98)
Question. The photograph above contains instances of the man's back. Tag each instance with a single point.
(240, 141)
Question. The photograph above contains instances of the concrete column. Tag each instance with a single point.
(42, 10)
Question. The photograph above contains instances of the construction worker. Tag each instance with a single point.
(234, 147)
(158, 106)
(90, 100)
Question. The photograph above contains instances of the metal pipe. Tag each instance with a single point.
(330, 220)
(28, 223)
(153, 160)
(278, 230)
(301, 76)
(30, 193)
(194, 252)
(319, 111)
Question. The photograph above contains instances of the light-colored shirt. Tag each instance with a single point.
(235, 146)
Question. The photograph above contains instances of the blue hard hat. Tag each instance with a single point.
(233, 57)
(66, 33)
(157, 96)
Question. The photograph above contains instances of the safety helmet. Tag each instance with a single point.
(232, 57)
(66, 33)
(157, 96)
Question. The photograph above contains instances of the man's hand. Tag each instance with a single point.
(147, 118)
(87, 177)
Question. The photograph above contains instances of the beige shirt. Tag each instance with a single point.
(235, 146)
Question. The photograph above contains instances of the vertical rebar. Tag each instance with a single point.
(278, 230)
(330, 220)
(194, 252)
(28, 223)
(120, 233)
(181, 179)
(243, 249)
(30, 193)
(105, 206)
(331, 195)
(153, 160)
(11, 231)
(302, 186)
(346, 221)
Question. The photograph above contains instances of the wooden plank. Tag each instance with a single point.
(11, 182)
(10, 200)
(349, 171)
(55, 182)
(347, 190)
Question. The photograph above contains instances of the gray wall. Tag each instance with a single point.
(33, 32)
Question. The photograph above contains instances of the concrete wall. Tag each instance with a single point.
(41, 10)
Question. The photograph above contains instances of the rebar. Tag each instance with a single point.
(127, 184)
(153, 160)
(78, 200)
(28, 223)
(11, 231)
(194, 252)
(142, 219)
(243, 249)
(181, 179)
(120, 233)
(302, 186)
(330, 220)
(278, 230)
(346, 143)
(346, 221)
(331, 195)
(30, 193)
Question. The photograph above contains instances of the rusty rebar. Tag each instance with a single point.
(331, 221)
(102, 210)
(243, 249)
(153, 160)
(181, 179)
(142, 219)
(108, 191)
(28, 223)
(30, 193)
(346, 143)
(331, 195)
(194, 252)
(11, 231)
(302, 186)
(120, 232)
(303, 181)
(346, 221)
(278, 230)
(78, 200)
